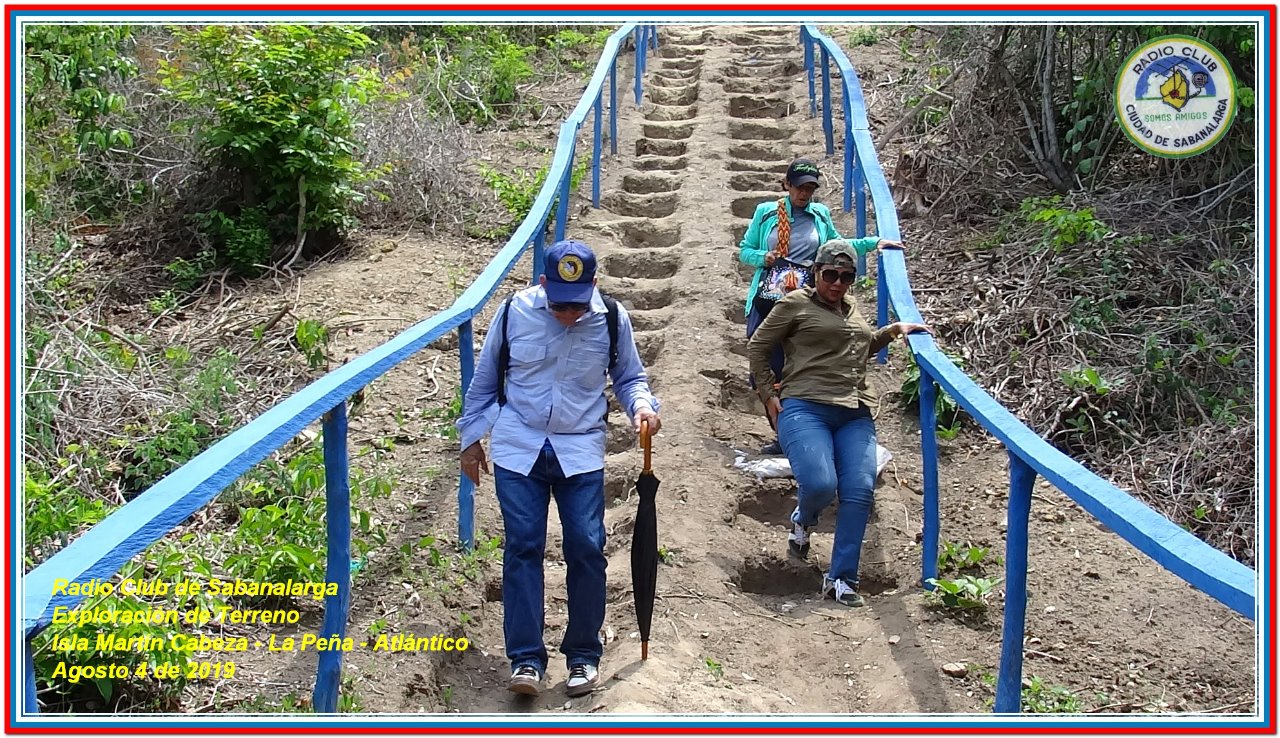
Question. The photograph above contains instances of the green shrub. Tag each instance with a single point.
(281, 510)
(274, 105)
(962, 593)
(71, 115)
(945, 407)
(1063, 227)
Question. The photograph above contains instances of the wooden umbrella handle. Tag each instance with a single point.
(646, 442)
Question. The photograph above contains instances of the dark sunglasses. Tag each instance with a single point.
(831, 275)
(569, 307)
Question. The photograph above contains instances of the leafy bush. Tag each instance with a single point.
(1042, 698)
(247, 240)
(281, 511)
(72, 111)
(518, 191)
(958, 557)
(948, 412)
(274, 105)
(1063, 227)
(166, 562)
(54, 511)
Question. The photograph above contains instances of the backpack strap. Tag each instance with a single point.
(504, 354)
(611, 320)
(504, 347)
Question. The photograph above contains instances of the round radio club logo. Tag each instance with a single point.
(570, 268)
(1175, 96)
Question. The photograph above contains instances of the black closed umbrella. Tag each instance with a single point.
(644, 544)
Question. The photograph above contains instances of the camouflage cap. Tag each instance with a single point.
(836, 250)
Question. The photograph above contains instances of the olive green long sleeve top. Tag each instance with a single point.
(826, 353)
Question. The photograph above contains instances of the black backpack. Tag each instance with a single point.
(504, 349)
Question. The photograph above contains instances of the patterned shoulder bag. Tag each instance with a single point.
(785, 275)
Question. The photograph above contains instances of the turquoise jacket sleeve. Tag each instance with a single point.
(752, 249)
(864, 246)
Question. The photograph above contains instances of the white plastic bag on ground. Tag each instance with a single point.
(778, 467)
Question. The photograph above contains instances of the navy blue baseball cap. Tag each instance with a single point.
(570, 268)
(802, 172)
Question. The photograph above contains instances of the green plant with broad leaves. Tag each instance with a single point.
(1063, 226)
(311, 337)
(957, 557)
(946, 409)
(1038, 697)
(964, 592)
(281, 531)
(1086, 378)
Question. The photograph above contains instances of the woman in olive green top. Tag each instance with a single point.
(823, 409)
(808, 225)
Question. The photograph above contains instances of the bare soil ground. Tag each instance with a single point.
(738, 627)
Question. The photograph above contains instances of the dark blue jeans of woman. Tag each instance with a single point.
(524, 501)
(759, 311)
(832, 451)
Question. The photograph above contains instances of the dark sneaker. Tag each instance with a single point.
(841, 591)
(773, 449)
(525, 680)
(798, 541)
(582, 679)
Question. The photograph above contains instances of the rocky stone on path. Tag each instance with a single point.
(955, 669)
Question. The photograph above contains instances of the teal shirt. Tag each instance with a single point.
(755, 242)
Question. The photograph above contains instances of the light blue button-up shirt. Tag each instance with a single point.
(555, 385)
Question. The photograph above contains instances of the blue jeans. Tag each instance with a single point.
(832, 451)
(524, 501)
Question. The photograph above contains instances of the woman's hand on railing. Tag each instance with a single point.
(474, 462)
(887, 244)
(902, 329)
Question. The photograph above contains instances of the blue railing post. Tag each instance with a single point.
(807, 40)
(595, 151)
(466, 490)
(859, 198)
(653, 36)
(639, 39)
(539, 246)
(848, 155)
(562, 207)
(929, 459)
(30, 703)
(857, 186)
(613, 107)
(826, 100)
(882, 304)
(1009, 683)
(337, 510)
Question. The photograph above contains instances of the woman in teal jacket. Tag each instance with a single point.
(809, 226)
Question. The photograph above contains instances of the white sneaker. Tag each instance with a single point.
(842, 592)
(582, 679)
(525, 680)
(798, 540)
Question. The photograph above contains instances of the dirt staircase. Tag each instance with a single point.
(739, 627)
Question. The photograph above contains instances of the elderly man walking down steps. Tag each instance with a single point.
(539, 387)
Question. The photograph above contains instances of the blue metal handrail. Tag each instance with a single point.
(106, 547)
(1204, 567)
